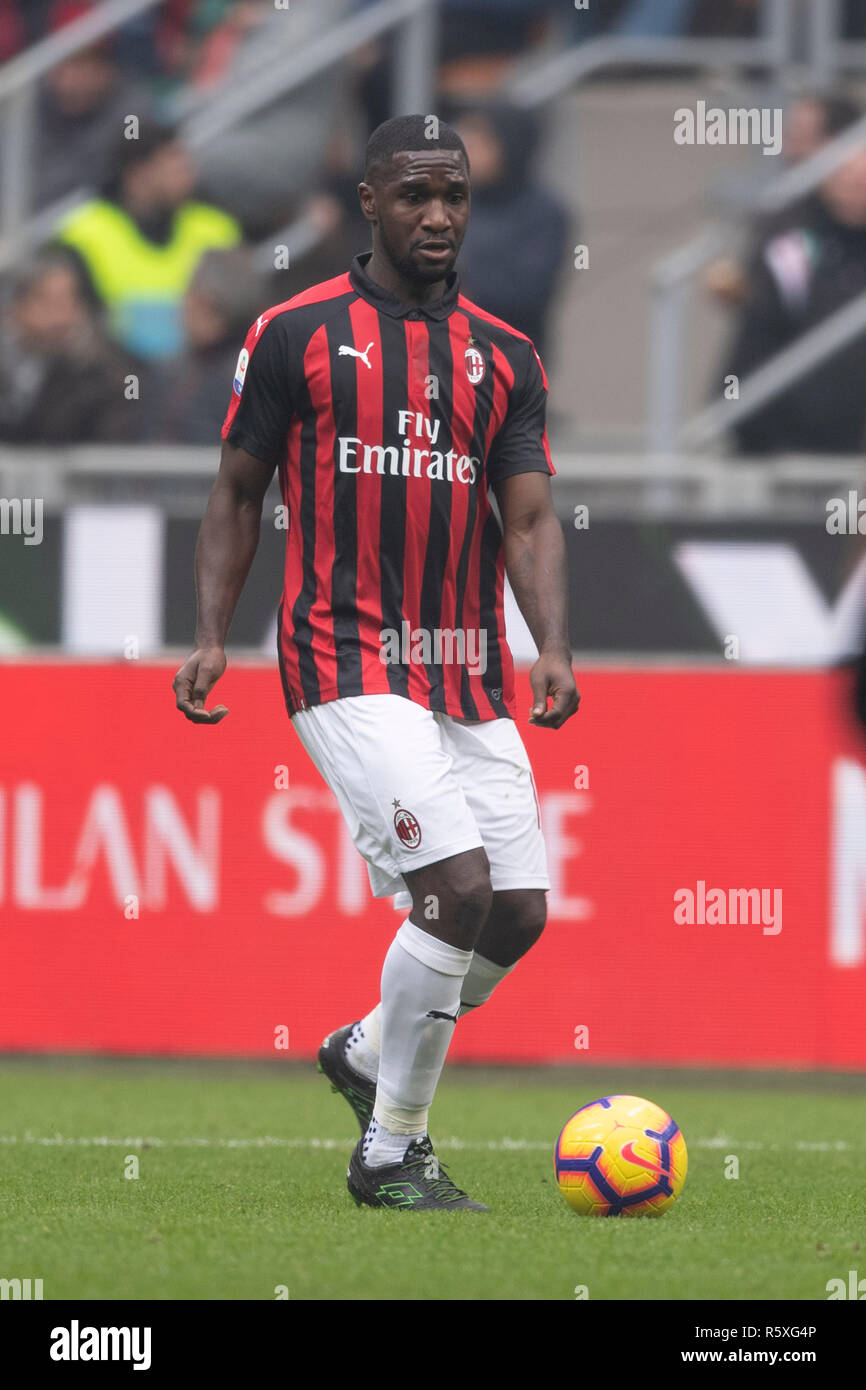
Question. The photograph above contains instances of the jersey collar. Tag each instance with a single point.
(397, 308)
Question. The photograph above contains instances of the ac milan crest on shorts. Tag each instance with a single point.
(407, 828)
(416, 786)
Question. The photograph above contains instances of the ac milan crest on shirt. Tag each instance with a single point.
(389, 482)
(407, 828)
(474, 363)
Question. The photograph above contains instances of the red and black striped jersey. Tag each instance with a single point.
(388, 423)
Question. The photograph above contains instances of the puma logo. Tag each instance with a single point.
(434, 1013)
(344, 351)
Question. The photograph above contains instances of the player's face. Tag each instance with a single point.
(420, 206)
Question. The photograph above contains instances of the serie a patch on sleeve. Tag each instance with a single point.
(241, 370)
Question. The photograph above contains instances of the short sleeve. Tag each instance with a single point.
(521, 444)
(260, 410)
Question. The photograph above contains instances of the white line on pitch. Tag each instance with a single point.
(268, 1141)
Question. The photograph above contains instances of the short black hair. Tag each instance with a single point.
(403, 133)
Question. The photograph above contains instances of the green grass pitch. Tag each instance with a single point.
(241, 1187)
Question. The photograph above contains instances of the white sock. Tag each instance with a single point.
(421, 975)
(362, 1044)
(482, 977)
(384, 1146)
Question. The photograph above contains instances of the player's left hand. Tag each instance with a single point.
(552, 678)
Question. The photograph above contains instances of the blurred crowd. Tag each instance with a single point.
(123, 321)
(802, 265)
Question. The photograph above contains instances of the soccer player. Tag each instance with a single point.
(391, 405)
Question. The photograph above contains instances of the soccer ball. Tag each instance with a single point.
(620, 1156)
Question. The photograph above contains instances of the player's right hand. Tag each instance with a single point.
(195, 680)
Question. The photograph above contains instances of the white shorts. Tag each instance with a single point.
(416, 786)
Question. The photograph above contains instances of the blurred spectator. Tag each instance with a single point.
(860, 686)
(810, 121)
(656, 19)
(156, 48)
(634, 19)
(515, 245)
(477, 51)
(24, 22)
(727, 18)
(853, 19)
(337, 231)
(741, 18)
(61, 379)
(158, 45)
(801, 275)
(13, 30)
(81, 108)
(480, 44)
(222, 301)
(144, 239)
(262, 168)
(242, 21)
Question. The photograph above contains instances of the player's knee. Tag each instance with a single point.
(476, 899)
(534, 918)
(466, 901)
(458, 894)
(528, 913)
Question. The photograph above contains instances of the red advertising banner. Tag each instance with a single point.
(172, 888)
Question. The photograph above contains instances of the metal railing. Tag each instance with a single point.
(673, 275)
(202, 118)
(778, 373)
(566, 71)
(177, 478)
(205, 118)
(775, 47)
(18, 79)
(670, 289)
